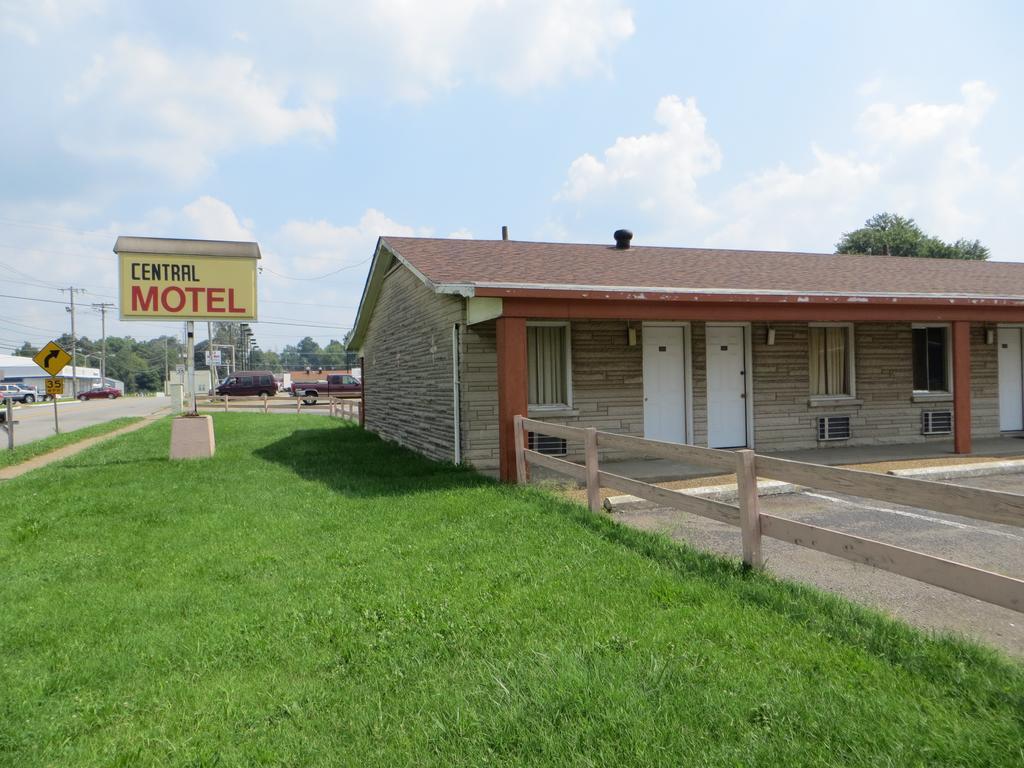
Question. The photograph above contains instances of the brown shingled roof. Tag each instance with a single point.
(502, 263)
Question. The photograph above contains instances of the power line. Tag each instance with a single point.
(308, 304)
(31, 298)
(51, 251)
(53, 227)
(318, 277)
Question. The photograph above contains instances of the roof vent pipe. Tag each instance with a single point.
(504, 233)
(622, 238)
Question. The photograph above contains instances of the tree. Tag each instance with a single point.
(887, 234)
(26, 350)
(310, 353)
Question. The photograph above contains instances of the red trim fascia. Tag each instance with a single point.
(579, 309)
(653, 297)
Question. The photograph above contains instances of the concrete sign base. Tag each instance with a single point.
(192, 437)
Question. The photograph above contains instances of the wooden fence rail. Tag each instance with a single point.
(979, 504)
(347, 408)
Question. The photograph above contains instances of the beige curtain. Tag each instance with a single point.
(829, 370)
(545, 352)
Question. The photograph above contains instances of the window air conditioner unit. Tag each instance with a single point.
(834, 428)
(552, 446)
(936, 422)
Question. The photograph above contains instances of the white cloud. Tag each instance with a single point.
(213, 219)
(884, 122)
(782, 208)
(176, 114)
(517, 45)
(654, 171)
(921, 160)
(318, 247)
(29, 19)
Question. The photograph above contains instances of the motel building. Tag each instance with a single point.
(776, 351)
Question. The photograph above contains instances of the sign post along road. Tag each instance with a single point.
(52, 358)
(189, 280)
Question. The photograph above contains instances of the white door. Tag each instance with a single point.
(727, 405)
(664, 383)
(1011, 381)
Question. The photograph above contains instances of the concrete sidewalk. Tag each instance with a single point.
(16, 470)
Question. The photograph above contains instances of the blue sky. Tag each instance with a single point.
(315, 126)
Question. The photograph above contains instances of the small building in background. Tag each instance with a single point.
(24, 371)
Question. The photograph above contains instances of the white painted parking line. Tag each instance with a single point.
(915, 515)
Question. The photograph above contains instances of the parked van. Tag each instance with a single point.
(243, 383)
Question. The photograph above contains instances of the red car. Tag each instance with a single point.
(108, 393)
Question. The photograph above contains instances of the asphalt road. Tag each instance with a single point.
(985, 545)
(36, 421)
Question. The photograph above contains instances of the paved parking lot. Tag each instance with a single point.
(985, 545)
(36, 421)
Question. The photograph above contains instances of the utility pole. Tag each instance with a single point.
(209, 350)
(74, 339)
(103, 307)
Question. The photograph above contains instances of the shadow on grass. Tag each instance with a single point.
(357, 463)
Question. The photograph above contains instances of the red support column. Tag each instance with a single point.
(362, 392)
(512, 389)
(962, 387)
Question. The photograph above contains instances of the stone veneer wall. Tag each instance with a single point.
(884, 410)
(608, 387)
(407, 366)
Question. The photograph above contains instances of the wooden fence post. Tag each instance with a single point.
(225, 403)
(520, 441)
(332, 407)
(298, 405)
(750, 516)
(266, 404)
(593, 484)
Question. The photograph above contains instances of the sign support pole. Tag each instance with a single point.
(9, 424)
(210, 351)
(190, 347)
(56, 424)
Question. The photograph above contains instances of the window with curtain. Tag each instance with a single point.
(931, 359)
(547, 350)
(830, 361)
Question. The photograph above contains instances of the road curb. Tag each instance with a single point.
(725, 493)
(954, 471)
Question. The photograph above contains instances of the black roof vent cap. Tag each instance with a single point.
(622, 238)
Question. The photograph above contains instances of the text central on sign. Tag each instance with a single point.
(176, 272)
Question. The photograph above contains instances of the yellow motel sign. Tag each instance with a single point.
(52, 358)
(167, 279)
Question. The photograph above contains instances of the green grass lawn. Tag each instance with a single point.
(53, 442)
(313, 596)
